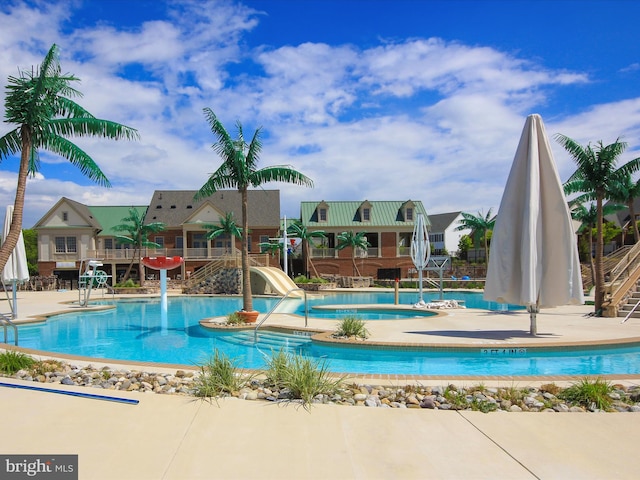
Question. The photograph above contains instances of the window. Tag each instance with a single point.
(108, 243)
(180, 242)
(263, 239)
(66, 245)
(409, 214)
(323, 215)
(159, 241)
(65, 216)
(366, 214)
(436, 237)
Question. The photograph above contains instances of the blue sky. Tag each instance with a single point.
(376, 99)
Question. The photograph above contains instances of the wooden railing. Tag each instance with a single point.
(622, 279)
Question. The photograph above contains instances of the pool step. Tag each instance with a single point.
(269, 340)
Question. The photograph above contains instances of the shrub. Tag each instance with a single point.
(219, 376)
(301, 279)
(46, 366)
(352, 326)
(12, 361)
(235, 319)
(304, 377)
(589, 393)
(128, 284)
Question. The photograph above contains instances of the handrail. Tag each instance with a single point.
(631, 312)
(6, 322)
(306, 310)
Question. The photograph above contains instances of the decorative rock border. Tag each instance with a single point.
(450, 397)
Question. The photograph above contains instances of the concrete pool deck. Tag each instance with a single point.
(175, 437)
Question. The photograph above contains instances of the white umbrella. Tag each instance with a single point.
(420, 249)
(16, 269)
(534, 254)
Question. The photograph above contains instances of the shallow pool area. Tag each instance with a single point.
(134, 330)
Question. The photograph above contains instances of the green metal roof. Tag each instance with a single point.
(347, 214)
(109, 217)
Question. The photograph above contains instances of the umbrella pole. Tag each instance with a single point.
(533, 312)
(420, 283)
(14, 309)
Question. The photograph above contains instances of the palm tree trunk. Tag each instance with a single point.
(591, 264)
(636, 234)
(18, 205)
(247, 302)
(599, 294)
(353, 259)
(486, 248)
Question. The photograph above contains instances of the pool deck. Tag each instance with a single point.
(175, 437)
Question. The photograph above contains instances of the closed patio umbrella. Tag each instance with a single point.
(534, 254)
(16, 270)
(420, 250)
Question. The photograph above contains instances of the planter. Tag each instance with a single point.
(135, 290)
(249, 317)
(314, 287)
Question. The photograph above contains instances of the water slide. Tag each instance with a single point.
(272, 280)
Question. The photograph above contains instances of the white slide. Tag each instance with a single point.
(277, 279)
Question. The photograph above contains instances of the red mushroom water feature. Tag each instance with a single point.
(163, 264)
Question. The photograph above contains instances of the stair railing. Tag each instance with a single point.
(284, 297)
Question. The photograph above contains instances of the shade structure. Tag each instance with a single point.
(420, 249)
(533, 258)
(16, 270)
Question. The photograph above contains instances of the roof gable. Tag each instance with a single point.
(77, 215)
(441, 221)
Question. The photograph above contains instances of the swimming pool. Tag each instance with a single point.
(134, 331)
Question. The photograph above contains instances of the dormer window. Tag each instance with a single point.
(409, 214)
(322, 214)
(366, 214)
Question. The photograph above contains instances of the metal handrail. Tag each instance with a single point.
(6, 322)
(631, 312)
(306, 310)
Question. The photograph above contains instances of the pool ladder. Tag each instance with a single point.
(284, 297)
(6, 322)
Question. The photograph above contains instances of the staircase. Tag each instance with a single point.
(610, 261)
(269, 340)
(630, 303)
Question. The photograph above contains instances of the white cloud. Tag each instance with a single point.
(421, 119)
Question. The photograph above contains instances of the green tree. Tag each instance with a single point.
(31, 249)
(588, 217)
(137, 234)
(299, 230)
(354, 241)
(39, 103)
(464, 244)
(239, 170)
(227, 226)
(480, 226)
(595, 172)
(625, 190)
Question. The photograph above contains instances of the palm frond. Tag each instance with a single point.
(280, 173)
(76, 156)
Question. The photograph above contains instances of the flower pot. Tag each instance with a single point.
(249, 317)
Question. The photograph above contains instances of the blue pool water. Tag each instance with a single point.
(134, 330)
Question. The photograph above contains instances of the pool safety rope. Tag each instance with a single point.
(72, 394)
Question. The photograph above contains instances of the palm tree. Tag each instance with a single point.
(480, 226)
(239, 170)
(227, 226)
(625, 190)
(588, 217)
(596, 171)
(299, 230)
(354, 241)
(138, 236)
(39, 104)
